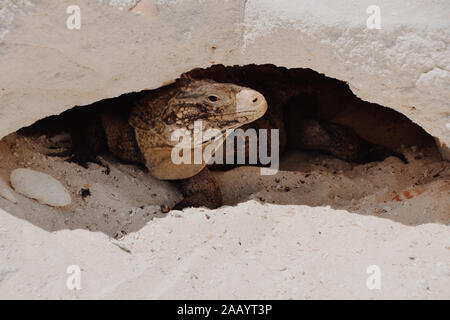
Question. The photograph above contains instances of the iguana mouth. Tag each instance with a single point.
(222, 134)
(241, 114)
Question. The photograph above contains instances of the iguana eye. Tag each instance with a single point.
(213, 98)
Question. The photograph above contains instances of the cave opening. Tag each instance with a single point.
(295, 97)
(335, 150)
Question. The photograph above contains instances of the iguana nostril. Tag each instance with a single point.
(248, 100)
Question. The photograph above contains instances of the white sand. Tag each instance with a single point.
(328, 223)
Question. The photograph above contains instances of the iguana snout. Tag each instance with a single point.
(250, 105)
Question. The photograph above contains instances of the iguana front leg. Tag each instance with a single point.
(201, 190)
(83, 145)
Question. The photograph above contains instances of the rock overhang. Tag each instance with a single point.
(47, 68)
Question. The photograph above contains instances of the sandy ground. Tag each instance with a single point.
(311, 231)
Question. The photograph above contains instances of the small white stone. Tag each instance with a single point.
(6, 192)
(121, 245)
(41, 187)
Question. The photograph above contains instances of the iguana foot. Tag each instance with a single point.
(77, 155)
(202, 190)
(196, 201)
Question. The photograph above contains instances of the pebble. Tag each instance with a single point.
(6, 192)
(165, 209)
(121, 245)
(40, 186)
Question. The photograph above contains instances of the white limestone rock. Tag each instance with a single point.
(6, 192)
(130, 45)
(40, 186)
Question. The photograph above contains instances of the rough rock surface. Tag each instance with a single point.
(47, 68)
(311, 231)
(290, 252)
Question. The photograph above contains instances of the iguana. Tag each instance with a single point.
(138, 128)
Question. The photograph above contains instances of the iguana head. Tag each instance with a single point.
(220, 106)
